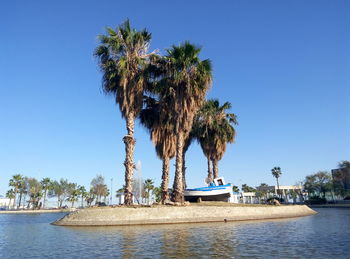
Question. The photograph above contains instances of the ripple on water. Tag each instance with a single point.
(323, 235)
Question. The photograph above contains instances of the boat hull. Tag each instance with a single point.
(211, 193)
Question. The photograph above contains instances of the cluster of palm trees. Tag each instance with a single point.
(28, 192)
(167, 93)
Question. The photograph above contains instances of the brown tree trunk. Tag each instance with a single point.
(165, 179)
(184, 185)
(215, 168)
(129, 159)
(178, 181)
(20, 199)
(210, 173)
(14, 200)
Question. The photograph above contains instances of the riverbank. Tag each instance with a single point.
(122, 216)
(33, 211)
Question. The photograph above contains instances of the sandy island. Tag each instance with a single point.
(194, 213)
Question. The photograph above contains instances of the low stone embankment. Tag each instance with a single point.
(121, 216)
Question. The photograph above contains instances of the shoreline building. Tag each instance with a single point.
(290, 193)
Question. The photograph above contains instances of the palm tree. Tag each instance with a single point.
(276, 172)
(35, 192)
(149, 186)
(22, 190)
(10, 194)
(83, 194)
(184, 84)
(162, 136)
(46, 185)
(59, 190)
(16, 182)
(123, 58)
(74, 194)
(213, 128)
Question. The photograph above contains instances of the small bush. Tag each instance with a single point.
(275, 198)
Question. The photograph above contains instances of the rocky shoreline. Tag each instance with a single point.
(123, 216)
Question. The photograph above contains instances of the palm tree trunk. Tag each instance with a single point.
(215, 168)
(178, 181)
(165, 179)
(210, 173)
(20, 199)
(14, 200)
(278, 187)
(44, 198)
(24, 199)
(129, 159)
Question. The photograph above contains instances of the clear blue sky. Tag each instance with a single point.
(284, 66)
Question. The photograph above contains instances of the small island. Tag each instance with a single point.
(192, 213)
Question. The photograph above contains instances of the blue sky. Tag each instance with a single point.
(284, 66)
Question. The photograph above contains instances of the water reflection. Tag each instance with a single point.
(323, 235)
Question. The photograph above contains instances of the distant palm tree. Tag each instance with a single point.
(276, 172)
(184, 84)
(46, 185)
(59, 190)
(123, 59)
(10, 194)
(149, 186)
(16, 182)
(162, 135)
(213, 128)
(35, 192)
(83, 194)
(22, 190)
(73, 196)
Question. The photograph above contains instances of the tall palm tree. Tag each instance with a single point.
(162, 135)
(276, 172)
(10, 194)
(21, 190)
(213, 127)
(16, 182)
(185, 82)
(46, 185)
(123, 59)
(73, 193)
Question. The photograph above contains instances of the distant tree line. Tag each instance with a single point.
(30, 193)
(319, 184)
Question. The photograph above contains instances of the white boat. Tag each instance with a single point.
(216, 191)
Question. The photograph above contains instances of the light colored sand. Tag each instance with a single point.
(121, 216)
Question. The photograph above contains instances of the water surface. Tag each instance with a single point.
(324, 235)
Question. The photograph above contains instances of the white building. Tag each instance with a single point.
(4, 202)
(290, 193)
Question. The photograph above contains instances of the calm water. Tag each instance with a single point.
(324, 235)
